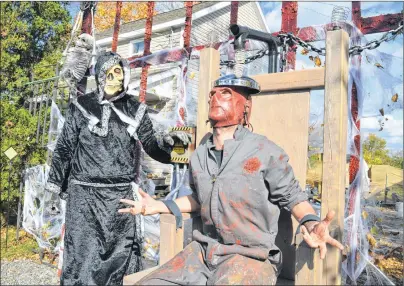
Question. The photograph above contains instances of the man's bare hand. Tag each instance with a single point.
(318, 236)
(147, 205)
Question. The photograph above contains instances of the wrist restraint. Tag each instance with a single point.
(306, 218)
(172, 206)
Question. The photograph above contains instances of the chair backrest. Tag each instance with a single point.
(283, 117)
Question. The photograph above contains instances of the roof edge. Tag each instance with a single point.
(262, 17)
(161, 27)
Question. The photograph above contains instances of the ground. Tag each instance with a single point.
(394, 181)
(20, 264)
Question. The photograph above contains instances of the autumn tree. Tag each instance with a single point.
(374, 150)
(105, 13)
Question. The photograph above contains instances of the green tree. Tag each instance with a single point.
(18, 130)
(396, 159)
(33, 35)
(374, 150)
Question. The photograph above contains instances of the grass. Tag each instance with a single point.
(21, 249)
(377, 186)
(394, 181)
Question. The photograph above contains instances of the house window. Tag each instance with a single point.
(137, 47)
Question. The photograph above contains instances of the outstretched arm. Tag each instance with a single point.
(286, 192)
(150, 206)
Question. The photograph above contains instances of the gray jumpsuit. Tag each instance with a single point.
(240, 203)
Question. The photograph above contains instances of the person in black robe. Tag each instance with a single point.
(96, 163)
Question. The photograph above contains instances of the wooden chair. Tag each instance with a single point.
(281, 112)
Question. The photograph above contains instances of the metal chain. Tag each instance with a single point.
(291, 40)
(390, 35)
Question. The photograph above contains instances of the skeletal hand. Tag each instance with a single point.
(185, 138)
(318, 235)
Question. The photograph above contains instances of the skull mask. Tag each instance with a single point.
(114, 81)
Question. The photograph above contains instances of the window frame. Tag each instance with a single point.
(131, 47)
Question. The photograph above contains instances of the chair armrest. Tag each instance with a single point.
(173, 241)
(135, 277)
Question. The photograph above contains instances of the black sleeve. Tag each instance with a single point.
(152, 142)
(64, 151)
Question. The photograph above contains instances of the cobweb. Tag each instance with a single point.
(380, 92)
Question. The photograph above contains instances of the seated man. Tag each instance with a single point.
(240, 180)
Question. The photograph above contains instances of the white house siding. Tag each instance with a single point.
(215, 26)
(123, 50)
(248, 15)
(165, 40)
(160, 41)
(211, 28)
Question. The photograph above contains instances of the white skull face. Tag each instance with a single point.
(85, 41)
(114, 81)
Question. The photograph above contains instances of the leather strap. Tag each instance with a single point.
(172, 206)
(306, 218)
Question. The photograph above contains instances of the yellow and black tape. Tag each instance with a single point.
(179, 160)
(181, 129)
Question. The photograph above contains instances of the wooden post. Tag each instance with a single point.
(208, 72)
(289, 25)
(335, 141)
(147, 41)
(188, 25)
(117, 26)
(233, 12)
(86, 27)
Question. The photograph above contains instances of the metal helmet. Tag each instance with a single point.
(245, 83)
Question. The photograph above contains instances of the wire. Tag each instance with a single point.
(328, 16)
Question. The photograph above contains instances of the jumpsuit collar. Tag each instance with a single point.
(229, 148)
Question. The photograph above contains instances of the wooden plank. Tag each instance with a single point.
(296, 80)
(209, 71)
(135, 277)
(308, 264)
(173, 241)
(335, 136)
(289, 130)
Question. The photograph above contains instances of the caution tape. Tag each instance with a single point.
(181, 129)
(179, 160)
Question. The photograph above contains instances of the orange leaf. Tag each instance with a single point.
(304, 52)
(394, 98)
(317, 61)
(379, 66)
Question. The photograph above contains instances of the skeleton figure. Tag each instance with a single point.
(77, 61)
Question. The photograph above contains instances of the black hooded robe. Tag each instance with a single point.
(96, 166)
